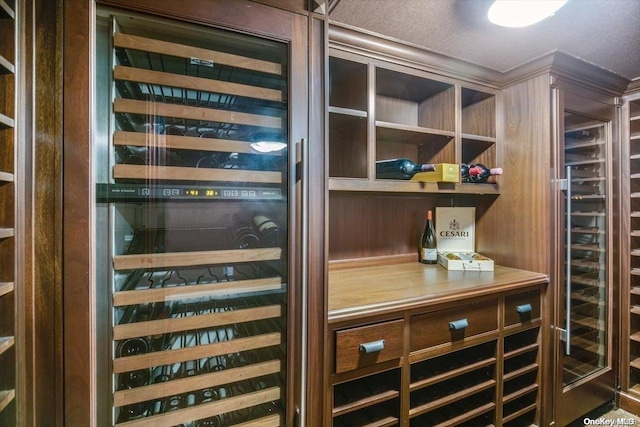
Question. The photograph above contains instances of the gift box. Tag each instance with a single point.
(445, 172)
(456, 238)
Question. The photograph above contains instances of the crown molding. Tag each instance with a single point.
(357, 40)
(558, 63)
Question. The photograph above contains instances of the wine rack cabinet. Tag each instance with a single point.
(472, 361)
(630, 260)
(382, 110)
(586, 154)
(192, 167)
(8, 284)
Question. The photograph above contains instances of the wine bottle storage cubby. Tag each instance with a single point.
(8, 284)
(414, 118)
(380, 111)
(193, 202)
(438, 385)
(585, 151)
(478, 127)
(521, 375)
(370, 401)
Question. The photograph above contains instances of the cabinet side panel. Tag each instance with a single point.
(525, 201)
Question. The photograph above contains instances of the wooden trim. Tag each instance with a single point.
(128, 41)
(187, 259)
(206, 410)
(629, 402)
(370, 44)
(198, 382)
(180, 324)
(142, 361)
(133, 106)
(197, 83)
(176, 173)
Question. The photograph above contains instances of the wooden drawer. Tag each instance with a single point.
(360, 347)
(439, 327)
(521, 308)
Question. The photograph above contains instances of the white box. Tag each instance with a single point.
(456, 239)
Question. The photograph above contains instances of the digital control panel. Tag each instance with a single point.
(135, 192)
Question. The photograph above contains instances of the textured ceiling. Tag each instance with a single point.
(604, 32)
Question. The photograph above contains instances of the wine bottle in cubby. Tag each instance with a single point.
(478, 173)
(400, 168)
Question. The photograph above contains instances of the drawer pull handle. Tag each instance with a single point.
(524, 308)
(372, 347)
(456, 325)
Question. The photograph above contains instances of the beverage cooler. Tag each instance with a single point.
(194, 210)
(584, 296)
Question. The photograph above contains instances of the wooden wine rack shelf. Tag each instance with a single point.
(129, 41)
(6, 288)
(195, 83)
(199, 382)
(206, 410)
(6, 122)
(6, 343)
(177, 173)
(454, 397)
(172, 325)
(131, 363)
(178, 142)
(6, 397)
(453, 373)
(210, 290)
(185, 259)
(365, 402)
(5, 11)
(132, 106)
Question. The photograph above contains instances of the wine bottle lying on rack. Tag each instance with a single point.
(400, 168)
(478, 173)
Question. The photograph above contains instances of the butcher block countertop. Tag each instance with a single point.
(378, 288)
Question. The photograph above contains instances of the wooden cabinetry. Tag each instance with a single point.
(8, 283)
(470, 354)
(386, 109)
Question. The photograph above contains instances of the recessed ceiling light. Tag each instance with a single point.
(520, 13)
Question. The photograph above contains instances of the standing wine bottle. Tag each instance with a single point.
(478, 173)
(428, 250)
(400, 168)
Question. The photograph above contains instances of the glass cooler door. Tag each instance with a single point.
(192, 168)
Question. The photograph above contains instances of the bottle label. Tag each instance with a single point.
(429, 254)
